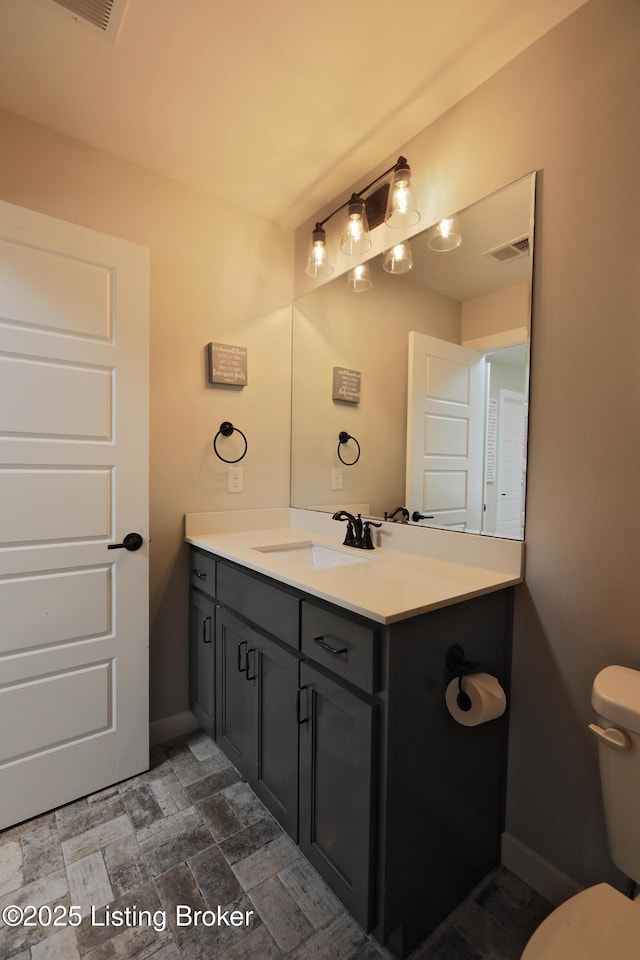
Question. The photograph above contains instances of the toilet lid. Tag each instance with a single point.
(598, 924)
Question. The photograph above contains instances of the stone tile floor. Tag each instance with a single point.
(191, 832)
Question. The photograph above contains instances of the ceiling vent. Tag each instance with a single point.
(102, 17)
(506, 252)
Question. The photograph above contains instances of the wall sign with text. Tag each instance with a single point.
(227, 364)
(346, 385)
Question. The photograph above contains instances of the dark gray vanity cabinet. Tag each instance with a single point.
(340, 726)
(257, 683)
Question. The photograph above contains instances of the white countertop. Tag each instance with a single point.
(389, 585)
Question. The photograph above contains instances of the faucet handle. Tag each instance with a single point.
(367, 542)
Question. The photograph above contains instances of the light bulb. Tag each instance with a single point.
(355, 238)
(358, 279)
(402, 210)
(398, 259)
(446, 226)
(444, 236)
(318, 264)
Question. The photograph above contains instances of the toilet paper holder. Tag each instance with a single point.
(457, 663)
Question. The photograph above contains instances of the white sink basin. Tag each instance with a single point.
(314, 556)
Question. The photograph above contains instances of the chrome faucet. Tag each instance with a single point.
(401, 510)
(358, 530)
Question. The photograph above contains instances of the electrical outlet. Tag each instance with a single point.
(234, 480)
(336, 479)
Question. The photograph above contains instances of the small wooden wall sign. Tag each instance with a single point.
(346, 385)
(227, 364)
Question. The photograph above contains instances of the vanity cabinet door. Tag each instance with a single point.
(256, 715)
(336, 788)
(274, 673)
(235, 701)
(202, 660)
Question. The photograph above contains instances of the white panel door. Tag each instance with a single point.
(511, 465)
(74, 633)
(445, 418)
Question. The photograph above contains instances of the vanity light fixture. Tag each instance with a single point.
(445, 236)
(398, 259)
(358, 280)
(392, 203)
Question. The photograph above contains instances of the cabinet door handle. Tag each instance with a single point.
(200, 574)
(246, 672)
(327, 646)
(300, 689)
(241, 669)
(204, 630)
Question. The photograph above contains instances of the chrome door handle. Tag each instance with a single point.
(132, 541)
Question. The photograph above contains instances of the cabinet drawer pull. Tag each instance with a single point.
(327, 646)
(204, 630)
(241, 669)
(200, 574)
(300, 689)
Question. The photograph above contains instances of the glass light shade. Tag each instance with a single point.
(445, 236)
(318, 263)
(358, 279)
(398, 259)
(402, 210)
(355, 237)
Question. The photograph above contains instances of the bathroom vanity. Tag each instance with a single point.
(325, 686)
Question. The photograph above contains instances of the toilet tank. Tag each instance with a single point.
(616, 700)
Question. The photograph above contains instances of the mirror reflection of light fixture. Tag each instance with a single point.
(358, 280)
(445, 236)
(355, 238)
(318, 263)
(401, 211)
(398, 259)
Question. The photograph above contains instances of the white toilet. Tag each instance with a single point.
(601, 923)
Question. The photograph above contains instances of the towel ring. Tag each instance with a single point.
(226, 429)
(344, 437)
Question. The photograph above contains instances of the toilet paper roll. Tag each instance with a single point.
(488, 700)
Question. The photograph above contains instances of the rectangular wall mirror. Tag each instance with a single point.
(439, 422)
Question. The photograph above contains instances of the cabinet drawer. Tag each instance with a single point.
(202, 571)
(265, 604)
(345, 647)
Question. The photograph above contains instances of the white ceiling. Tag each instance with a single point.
(274, 105)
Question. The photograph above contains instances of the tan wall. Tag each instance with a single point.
(568, 106)
(217, 273)
(497, 312)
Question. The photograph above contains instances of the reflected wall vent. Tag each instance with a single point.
(102, 17)
(506, 252)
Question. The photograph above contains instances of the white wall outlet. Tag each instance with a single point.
(234, 480)
(336, 479)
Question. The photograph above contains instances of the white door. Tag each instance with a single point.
(445, 429)
(511, 465)
(73, 479)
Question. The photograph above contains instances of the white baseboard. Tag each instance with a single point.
(177, 725)
(551, 883)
